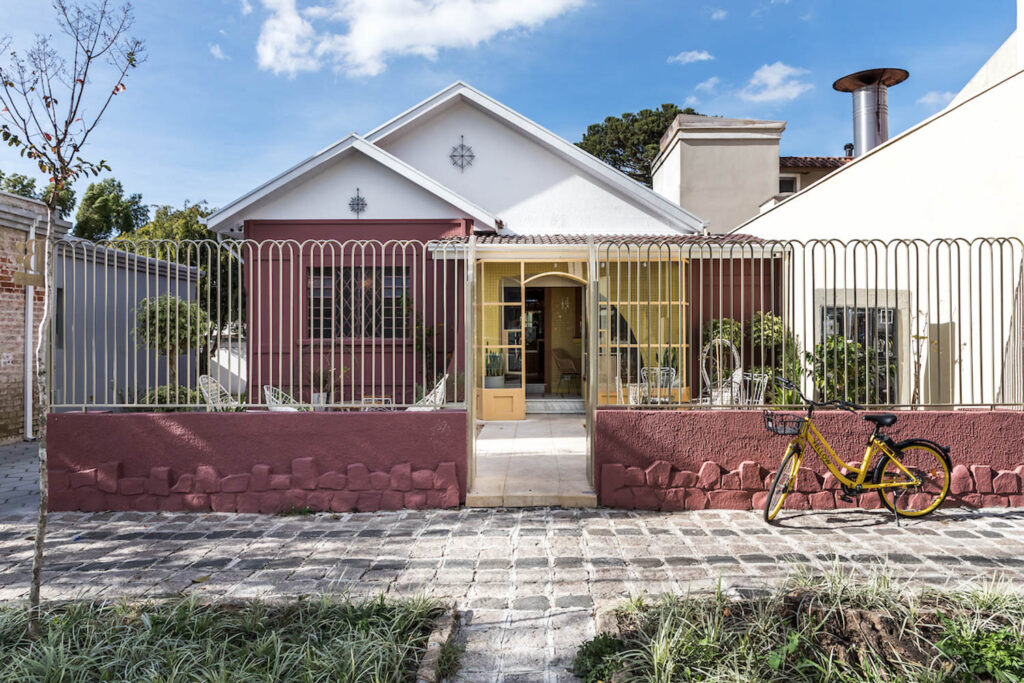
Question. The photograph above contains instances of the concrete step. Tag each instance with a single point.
(530, 499)
(550, 406)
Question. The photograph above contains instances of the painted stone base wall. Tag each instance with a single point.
(257, 462)
(692, 460)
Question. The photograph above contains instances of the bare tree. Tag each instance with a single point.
(46, 116)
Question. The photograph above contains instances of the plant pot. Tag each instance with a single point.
(497, 382)
(320, 400)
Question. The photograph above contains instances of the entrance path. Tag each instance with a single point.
(19, 477)
(527, 581)
(541, 460)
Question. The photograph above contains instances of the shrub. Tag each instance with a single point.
(597, 660)
(172, 327)
(845, 369)
(997, 653)
(171, 395)
(723, 328)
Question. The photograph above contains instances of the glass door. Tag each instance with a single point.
(501, 392)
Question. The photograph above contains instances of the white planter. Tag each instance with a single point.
(494, 382)
(321, 399)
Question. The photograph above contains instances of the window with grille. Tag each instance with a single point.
(358, 302)
(875, 330)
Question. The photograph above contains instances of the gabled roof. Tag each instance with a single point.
(219, 220)
(676, 216)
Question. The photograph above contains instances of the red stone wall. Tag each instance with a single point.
(257, 461)
(692, 460)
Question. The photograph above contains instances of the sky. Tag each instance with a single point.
(232, 92)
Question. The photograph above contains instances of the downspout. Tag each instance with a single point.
(29, 329)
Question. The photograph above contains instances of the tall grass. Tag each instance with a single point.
(837, 626)
(319, 639)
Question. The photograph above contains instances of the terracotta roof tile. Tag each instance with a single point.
(813, 162)
(569, 240)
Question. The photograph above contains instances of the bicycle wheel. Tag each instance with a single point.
(928, 465)
(782, 484)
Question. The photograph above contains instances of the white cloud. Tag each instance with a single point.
(709, 85)
(719, 15)
(691, 56)
(691, 101)
(776, 82)
(217, 52)
(936, 99)
(359, 37)
(246, 7)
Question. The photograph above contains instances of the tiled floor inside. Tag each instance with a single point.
(541, 460)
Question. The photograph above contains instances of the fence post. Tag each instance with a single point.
(593, 327)
(469, 390)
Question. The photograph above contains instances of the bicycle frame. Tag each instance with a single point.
(809, 435)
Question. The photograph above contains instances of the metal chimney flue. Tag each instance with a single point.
(870, 105)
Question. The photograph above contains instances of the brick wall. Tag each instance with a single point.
(12, 333)
(692, 460)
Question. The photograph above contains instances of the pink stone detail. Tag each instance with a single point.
(159, 482)
(319, 500)
(223, 502)
(107, 475)
(634, 476)
(260, 478)
(199, 502)
(750, 475)
(731, 480)
(415, 500)
(797, 501)
(450, 497)
(131, 486)
(344, 501)
(696, 499)
(993, 501)
(117, 503)
(645, 498)
(332, 480)
(658, 474)
(82, 478)
(675, 499)
(758, 500)
(248, 503)
(822, 500)
(445, 476)
(423, 479)
(960, 480)
(972, 500)
(729, 500)
(982, 478)
(295, 498)
(830, 483)
(369, 501)
(235, 483)
(280, 482)
(613, 476)
(379, 481)
(145, 503)
(685, 480)
(808, 481)
(304, 473)
(172, 503)
(358, 477)
(1006, 482)
(91, 501)
(619, 498)
(207, 479)
(271, 502)
(184, 484)
(710, 475)
(1016, 501)
(401, 478)
(392, 500)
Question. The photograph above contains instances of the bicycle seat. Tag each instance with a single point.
(882, 419)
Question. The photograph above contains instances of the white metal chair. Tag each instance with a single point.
(726, 387)
(280, 402)
(636, 393)
(755, 385)
(435, 399)
(658, 381)
(218, 399)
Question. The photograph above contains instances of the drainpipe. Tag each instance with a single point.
(29, 326)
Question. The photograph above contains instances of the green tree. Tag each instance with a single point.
(106, 212)
(25, 186)
(630, 142)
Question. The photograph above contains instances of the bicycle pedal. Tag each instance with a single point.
(846, 498)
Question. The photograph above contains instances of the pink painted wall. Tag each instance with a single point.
(256, 461)
(676, 460)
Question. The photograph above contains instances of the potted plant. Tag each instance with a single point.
(495, 371)
(323, 386)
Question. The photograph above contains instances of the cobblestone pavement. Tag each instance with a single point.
(526, 580)
(19, 478)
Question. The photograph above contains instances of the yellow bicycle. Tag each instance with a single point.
(911, 477)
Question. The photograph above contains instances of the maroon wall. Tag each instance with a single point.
(281, 352)
(257, 462)
(694, 459)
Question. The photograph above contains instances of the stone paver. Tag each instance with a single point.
(19, 477)
(527, 581)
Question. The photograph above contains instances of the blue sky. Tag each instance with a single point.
(235, 91)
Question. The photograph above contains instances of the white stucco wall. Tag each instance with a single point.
(326, 195)
(532, 189)
(957, 175)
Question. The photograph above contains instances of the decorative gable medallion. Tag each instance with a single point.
(462, 155)
(357, 204)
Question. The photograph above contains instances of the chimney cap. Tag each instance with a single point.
(862, 79)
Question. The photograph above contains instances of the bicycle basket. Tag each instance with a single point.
(785, 425)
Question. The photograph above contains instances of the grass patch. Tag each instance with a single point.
(316, 639)
(832, 627)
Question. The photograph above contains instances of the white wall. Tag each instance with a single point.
(326, 195)
(533, 190)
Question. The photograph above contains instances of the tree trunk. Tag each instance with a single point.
(44, 406)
